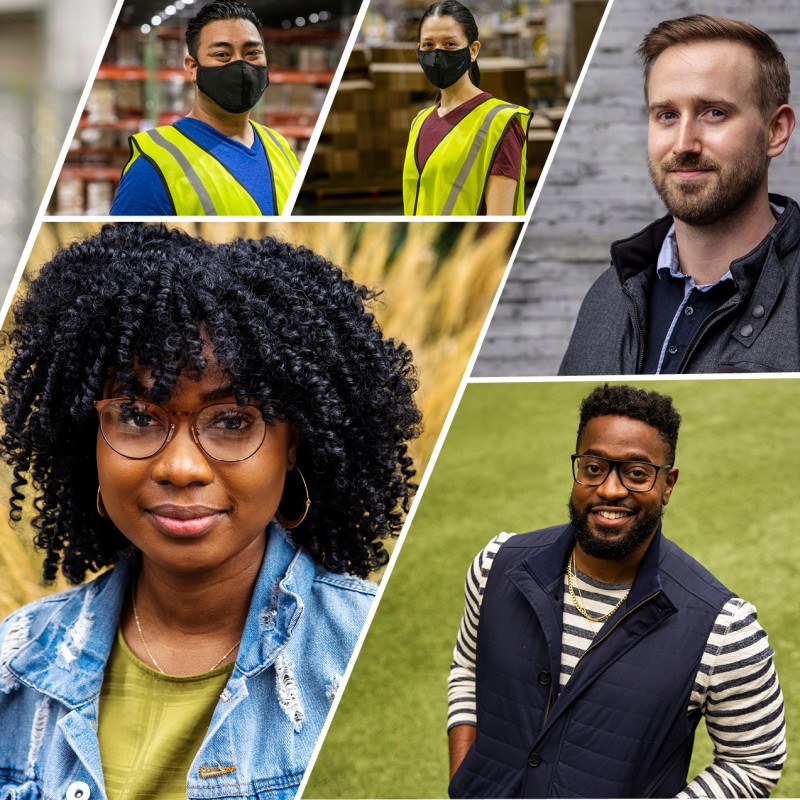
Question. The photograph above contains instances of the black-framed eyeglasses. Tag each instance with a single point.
(137, 429)
(635, 476)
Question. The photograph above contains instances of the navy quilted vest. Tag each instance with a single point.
(619, 728)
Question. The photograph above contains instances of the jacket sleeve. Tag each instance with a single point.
(738, 692)
(602, 332)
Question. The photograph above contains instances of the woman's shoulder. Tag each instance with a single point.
(25, 621)
(344, 581)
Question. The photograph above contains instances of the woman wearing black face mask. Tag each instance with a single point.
(466, 155)
(215, 160)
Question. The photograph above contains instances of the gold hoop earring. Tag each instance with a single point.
(293, 523)
(101, 508)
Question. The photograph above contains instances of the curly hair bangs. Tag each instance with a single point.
(287, 327)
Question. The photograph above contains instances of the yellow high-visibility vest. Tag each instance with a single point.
(198, 184)
(453, 179)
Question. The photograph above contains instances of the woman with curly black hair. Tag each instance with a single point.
(173, 407)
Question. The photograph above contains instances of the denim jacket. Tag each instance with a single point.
(300, 632)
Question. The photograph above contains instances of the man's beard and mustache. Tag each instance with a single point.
(642, 528)
(710, 200)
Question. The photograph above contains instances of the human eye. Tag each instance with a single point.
(592, 467)
(638, 472)
(666, 116)
(715, 114)
(231, 420)
(137, 415)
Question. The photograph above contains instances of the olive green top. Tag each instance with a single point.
(151, 725)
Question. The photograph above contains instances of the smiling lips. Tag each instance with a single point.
(176, 520)
(610, 516)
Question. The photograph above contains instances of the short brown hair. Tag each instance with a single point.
(772, 78)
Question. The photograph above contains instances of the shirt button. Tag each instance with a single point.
(78, 791)
(758, 311)
(746, 330)
(688, 311)
(543, 678)
(673, 349)
(534, 760)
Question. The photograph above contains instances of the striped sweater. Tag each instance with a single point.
(736, 687)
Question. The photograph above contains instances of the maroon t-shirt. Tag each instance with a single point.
(508, 156)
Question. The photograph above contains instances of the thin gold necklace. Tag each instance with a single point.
(571, 569)
(147, 649)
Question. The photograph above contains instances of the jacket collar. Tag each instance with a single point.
(68, 649)
(638, 253)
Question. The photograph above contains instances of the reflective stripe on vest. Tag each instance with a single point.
(198, 184)
(453, 179)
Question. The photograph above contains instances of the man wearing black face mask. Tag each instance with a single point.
(215, 160)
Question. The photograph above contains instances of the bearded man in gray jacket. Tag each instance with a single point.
(715, 285)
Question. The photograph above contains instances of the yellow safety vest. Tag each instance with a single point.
(453, 180)
(198, 184)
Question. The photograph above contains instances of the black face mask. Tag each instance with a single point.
(235, 86)
(444, 67)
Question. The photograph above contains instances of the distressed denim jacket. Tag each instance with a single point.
(301, 629)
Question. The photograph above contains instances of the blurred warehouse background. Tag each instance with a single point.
(531, 54)
(46, 53)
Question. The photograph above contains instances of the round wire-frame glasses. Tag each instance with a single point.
(137, 429)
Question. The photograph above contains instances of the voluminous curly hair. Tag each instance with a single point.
(652, 408)
(286, 326)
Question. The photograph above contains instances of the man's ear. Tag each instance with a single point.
(669, 485)
(781, 125)
(190, 65)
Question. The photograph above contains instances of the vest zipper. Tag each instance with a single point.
(614, 627)
(640, 355)
(709, 320)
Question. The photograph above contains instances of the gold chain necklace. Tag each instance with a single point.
(571, 569)
(147, 649)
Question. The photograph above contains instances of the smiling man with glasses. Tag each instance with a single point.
(601, 643)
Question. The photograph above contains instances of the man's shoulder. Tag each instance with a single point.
(683, 569)
(537, 538)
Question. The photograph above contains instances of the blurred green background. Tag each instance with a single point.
(505, 467)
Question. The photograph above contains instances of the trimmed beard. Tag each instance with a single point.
(707, 205)
(643, 527)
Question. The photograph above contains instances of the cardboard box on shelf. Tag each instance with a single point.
(395, 53)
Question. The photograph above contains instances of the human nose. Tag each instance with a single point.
(687, 138)
(181, 461)
(612, 487)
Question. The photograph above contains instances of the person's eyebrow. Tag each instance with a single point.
(250, 43)
(631, 456)
(698, 101)
(220, 393)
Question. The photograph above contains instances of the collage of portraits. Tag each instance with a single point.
(351, 353)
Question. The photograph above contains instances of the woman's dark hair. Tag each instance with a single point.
(285, 325)
(216, 11)
(463, 16)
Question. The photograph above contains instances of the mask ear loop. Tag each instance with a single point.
(289, 524)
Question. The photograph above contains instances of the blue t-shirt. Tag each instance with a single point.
(141, 191)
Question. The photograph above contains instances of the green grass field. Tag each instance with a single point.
(505, 466)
